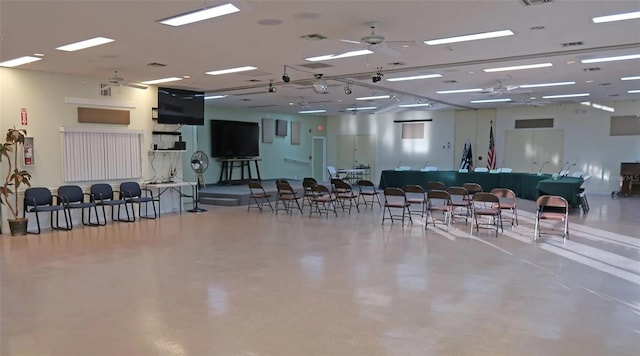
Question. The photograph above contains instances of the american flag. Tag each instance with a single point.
(491, 156)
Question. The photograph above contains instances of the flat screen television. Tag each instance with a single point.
(182, 107)
(235, 139)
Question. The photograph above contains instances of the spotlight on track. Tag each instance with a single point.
(272, 89)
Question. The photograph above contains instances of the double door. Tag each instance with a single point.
(529, 150)
(356, 151)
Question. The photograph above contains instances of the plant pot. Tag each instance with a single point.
(18, 227)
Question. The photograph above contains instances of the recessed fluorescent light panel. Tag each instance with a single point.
(526, 66)
(630, 78)
(200, 15)
(19, 61)
(214, 97)
(414, 105)
(311, 111)
(617, 17)
(598, 106)
(163, 80)
(415, 77)
(565, 96)
(92, 42)
(363, 108)
(611, 59)
(231, 70)
(373, 97)
(635, 91)
(327, 57)
(458, 91)
(472, 37)
(490, 101)
(540, 85)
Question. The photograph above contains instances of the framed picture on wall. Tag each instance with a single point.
(281, 127)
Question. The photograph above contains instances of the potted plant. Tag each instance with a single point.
(14, 179)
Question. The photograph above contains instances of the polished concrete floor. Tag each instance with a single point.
(232, 282)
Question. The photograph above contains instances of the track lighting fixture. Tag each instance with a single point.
(319, 84)
(272, 89)
(347, 89)
(378, 76)
(285, 76)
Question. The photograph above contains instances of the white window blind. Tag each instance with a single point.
(101, 155)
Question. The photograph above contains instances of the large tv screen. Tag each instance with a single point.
(183, 107)
(235, 139)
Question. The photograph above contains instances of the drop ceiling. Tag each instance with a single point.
(270, 35)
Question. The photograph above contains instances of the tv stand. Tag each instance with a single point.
(228, 164)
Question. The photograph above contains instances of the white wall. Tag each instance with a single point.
(437, 147)
(586, 138)
(280, 159)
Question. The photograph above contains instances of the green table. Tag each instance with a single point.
(525, 185)
(566, 187)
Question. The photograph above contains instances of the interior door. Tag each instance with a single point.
(365, 153)
(519, 150)
(345, 146)
(549, 146)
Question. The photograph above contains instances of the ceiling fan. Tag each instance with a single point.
(499, 89)
(117, 81)
(377, 43)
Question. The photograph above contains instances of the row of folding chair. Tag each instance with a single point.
(318, 197)
(72, 197)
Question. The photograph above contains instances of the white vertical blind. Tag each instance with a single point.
(90, 155)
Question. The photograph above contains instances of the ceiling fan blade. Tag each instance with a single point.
(133, 85)
(385, 50)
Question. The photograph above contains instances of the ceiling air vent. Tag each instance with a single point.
(156, 64)
(535, 2)
(592, 69)
(314, 37)
(572, 44)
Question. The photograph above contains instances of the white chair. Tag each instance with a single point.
(333, 173)
(481, 169)
(505, 170)
(403, 168)
(577, 174)
(429, 169)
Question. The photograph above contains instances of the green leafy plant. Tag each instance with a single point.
(15, 177)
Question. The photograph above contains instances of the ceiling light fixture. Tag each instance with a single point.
(92, 42)
(319, 85)
(374, 97)
(635, 91)
(415, 77)
(19, 61)
(271, 88)
(526, 66)
(458, 91)
(285, 77)
(565, 96)
(490, 101)
(378, 76)
(163, 80)
(362, 108)
(540, 85)
(415, 105)
(312, 111)
(472, 37)
(231, 70)
(630, 78)
(347, 89)
(199, 15)
(214, 97)
(598, 106)
(327, 57)
(611, 59)
(617, 17)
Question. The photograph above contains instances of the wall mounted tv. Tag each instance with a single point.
(234, 139)
(183, 107)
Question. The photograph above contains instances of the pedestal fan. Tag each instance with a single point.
(199, 164)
